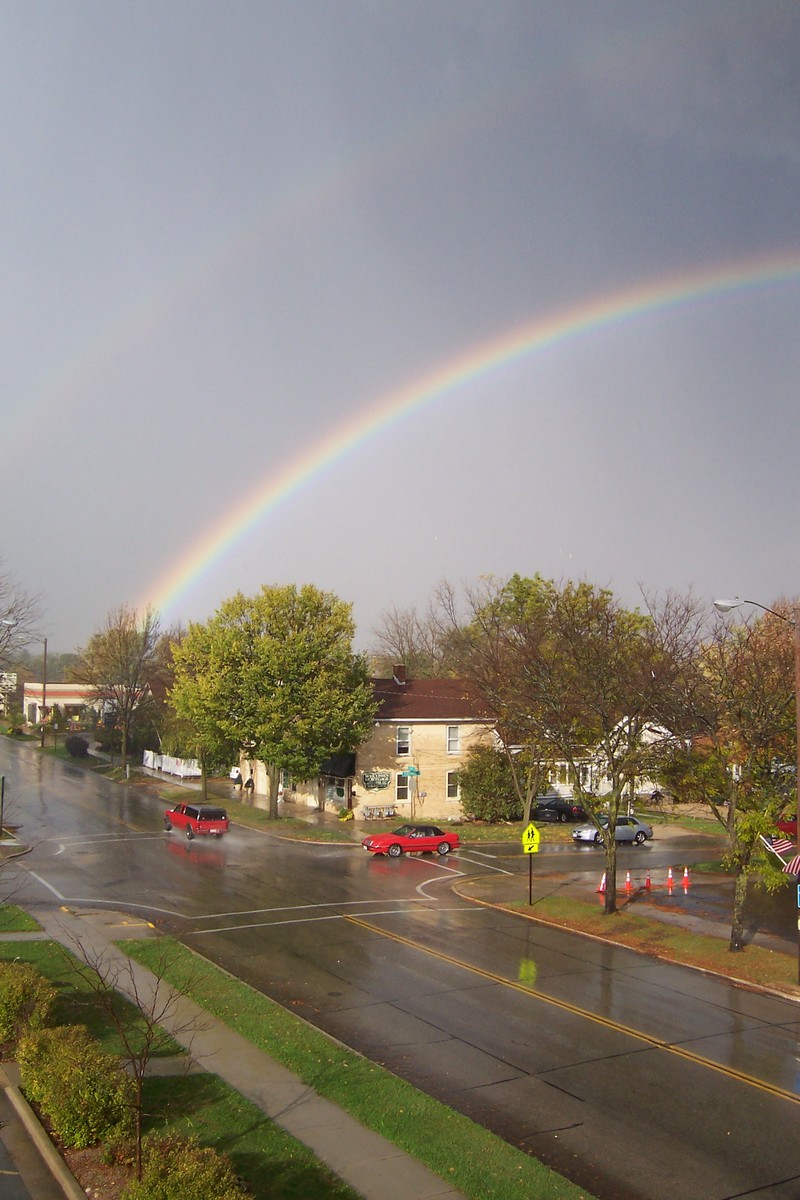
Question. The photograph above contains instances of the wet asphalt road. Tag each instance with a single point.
(635, 1079)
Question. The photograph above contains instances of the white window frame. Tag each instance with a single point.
(448, 786)
(401, 788)
(406, 741)
(453, 738)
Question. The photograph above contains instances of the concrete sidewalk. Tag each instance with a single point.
(370, 1164)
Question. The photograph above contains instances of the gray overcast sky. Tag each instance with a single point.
(228, 230)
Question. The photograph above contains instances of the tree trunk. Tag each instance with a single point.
(737, 917)
(611, 874)
(274, 776)
(138, 1126)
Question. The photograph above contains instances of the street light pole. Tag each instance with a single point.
(725, 606)
(44, 689)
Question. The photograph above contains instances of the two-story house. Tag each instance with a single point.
(424, 730)
(409, 765)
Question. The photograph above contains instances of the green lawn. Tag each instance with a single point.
(272, 1163)
(77, 1004)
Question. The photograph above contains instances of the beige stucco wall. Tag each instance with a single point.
(429, 754)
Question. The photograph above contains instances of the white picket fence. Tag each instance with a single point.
(186, 768)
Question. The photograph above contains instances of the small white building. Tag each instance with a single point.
(71, 699)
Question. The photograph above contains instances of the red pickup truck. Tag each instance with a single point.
(197, 818)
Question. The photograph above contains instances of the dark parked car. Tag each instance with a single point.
(197, 818)
(558, 810)
(413, 839)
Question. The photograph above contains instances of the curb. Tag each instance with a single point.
(47, 1151)
(778, 992)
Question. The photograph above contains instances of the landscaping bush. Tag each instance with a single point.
(26, 1000)
(487, 787)
(83, 1092)
(76, 747)
(180, 1169)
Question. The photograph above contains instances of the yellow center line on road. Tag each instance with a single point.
(575, 1010)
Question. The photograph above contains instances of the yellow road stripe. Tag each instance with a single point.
(575, 1010)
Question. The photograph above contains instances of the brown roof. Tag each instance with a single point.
(426, 700)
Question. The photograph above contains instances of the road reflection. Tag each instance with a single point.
(201, 855)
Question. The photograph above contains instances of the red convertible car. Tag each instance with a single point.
(196, 818)
(413, 839)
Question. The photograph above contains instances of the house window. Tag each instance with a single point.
(452, 785)
(403, 739)
(453, 739)
(401, 788)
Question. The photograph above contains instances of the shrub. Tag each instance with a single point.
(76, 747)
(487, 787)
(84, 1092)
(181, 1169)
(26, 999)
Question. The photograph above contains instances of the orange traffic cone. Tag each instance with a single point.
(647, 882)
(670, 880)
(602, 886)
(686, 877)
(628, 885)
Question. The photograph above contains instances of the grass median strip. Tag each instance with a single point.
(471, 1159)
(639, 930)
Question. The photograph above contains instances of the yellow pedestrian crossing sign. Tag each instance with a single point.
(530, 839)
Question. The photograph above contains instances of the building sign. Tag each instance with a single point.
(376, 781)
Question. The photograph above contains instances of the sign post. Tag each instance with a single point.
(530, 845)
(412, 774)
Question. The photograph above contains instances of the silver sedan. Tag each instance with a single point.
(628, 829)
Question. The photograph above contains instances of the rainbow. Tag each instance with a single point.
(476, 364)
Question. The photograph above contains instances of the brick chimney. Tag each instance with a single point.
(399, 674)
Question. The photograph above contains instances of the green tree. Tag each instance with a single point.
(570, 675)
(501, 618)
(202, 695)
(124, 663)
(609, 683)
(487, 785)
(275, 674)
(742, 703)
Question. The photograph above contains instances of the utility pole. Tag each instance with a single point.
(44, 690)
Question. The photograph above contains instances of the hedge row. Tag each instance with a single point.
(26, 1000)
(88, 1097)
(85, 1093)
(180, 1169)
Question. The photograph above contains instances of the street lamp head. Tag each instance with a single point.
(725, 606)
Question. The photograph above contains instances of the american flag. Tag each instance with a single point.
(792, 867)
(779, 845)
